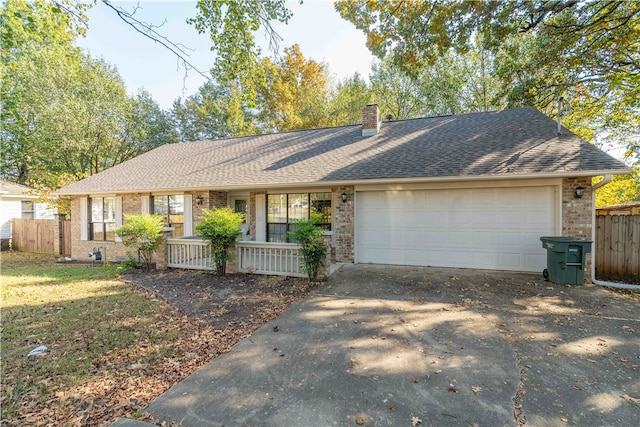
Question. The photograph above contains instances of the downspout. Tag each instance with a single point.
(605, 181)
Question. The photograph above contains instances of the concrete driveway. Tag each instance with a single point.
(402, 346)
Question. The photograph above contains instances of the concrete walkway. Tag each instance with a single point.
(401, 346)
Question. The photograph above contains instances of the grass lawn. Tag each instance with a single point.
(112, 347)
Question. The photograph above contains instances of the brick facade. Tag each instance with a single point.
(111, 251)
(577, 213)
(343, 225)
(577, 217)
(218, 199)
(371, 120)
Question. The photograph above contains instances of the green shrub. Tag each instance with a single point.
(313, 250)
(143, 233)
(221, 227)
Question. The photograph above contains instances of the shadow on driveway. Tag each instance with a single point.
(395, 346)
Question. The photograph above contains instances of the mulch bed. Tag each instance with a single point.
(238, 301)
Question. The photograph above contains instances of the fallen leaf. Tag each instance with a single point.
(415, 421)
(360, 421)
(476, 389)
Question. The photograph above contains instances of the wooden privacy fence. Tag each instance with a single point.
(618, 248)
(39, 235)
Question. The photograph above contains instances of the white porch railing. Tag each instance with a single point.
(282, 259)
(191, 253)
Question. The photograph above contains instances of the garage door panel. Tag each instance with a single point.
(483, 239)
(479, 228)
(537, 196)
(483, 218)
(509, 261)
(513, 240)
(460, 219)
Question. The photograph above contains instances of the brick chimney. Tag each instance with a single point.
(371, 120)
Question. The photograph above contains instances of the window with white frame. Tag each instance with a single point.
(283, 210)
(102, 218)
(28, 209)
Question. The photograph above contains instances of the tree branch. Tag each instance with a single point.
(149, 31)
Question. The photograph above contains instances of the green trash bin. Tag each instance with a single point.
(565, 259)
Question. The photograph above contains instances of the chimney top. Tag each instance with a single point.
(371, 120)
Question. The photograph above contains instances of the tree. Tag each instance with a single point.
(149, 126)
(36, 48)
(347, 99)
(621, 189)
(216, 111)
(143, 233)
(232, 25)
(294, 95)
(586, 51)
(65, 114)
(221, 227)
(395, 92)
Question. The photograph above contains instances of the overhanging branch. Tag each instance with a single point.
(149, 31)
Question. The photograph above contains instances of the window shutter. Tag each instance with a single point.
(261, 213)
(118, 216)
(84, 223)
(144, 205)
(188, 215)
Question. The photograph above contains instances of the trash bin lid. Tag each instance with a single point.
(564, 239)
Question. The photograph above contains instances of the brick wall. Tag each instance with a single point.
(577, 214)
(217, 199)
(343, 225)
(111, 251)
(370, 120)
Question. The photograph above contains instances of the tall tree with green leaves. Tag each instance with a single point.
(294, 95)
(65, 115)
(231, 26)
(215, 111)
(347, 99)
(587, 51)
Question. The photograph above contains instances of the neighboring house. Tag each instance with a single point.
(18, 201)
(632, 208)
(473, 190)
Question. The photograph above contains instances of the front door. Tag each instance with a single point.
(239, 205)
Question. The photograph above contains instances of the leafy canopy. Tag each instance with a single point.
(586, 51)
(65, 115)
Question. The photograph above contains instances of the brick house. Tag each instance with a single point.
(470, 191)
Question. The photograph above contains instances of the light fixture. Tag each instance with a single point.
(199, 200)
(344, 197)
(579, 192)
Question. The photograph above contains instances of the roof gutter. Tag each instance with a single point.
(605, 181)
(376, 181)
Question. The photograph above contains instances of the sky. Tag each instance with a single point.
(315, 26)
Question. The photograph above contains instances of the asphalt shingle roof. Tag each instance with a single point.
(509, 143)
(11, 188)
